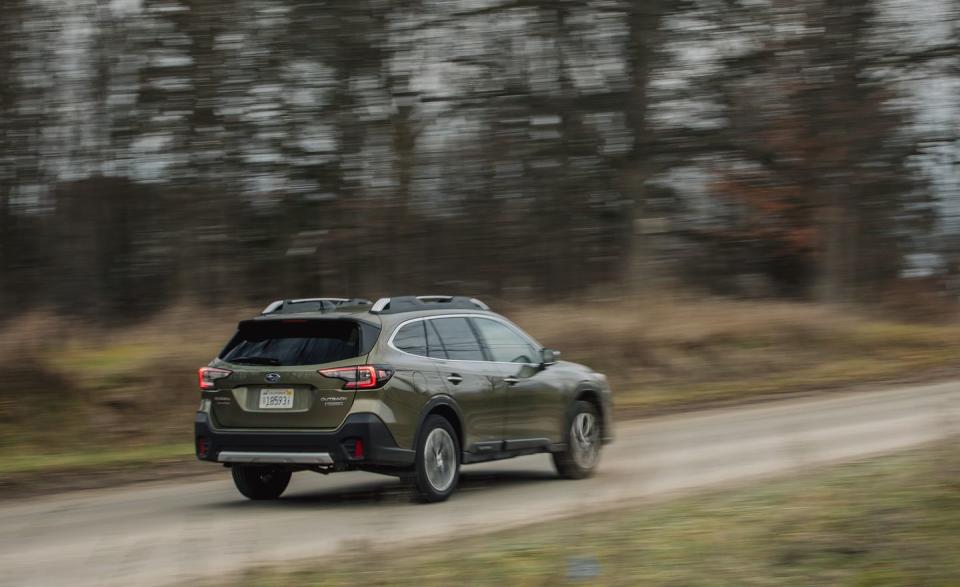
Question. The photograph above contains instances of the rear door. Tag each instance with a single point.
(275, 381)
(467, 375)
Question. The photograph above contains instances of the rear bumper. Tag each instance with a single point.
(379, 447)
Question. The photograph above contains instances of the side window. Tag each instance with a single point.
(411, 339)
(504, 344)
(458, 339)
(434, 344)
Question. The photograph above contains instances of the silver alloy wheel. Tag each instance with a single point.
(585, 438)
(440, 458)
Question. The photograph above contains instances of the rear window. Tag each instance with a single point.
(294, 342)
(420, 338)
(411, 339)
(434, 345)
(458, 339)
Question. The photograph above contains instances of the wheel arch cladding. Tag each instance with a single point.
(448, 412)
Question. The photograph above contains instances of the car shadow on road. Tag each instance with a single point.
(389, 490)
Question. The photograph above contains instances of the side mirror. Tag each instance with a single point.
(548, 357)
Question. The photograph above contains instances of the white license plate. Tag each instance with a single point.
(276, 399)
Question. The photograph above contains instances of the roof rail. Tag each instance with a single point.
(312, 305)
(414, 303)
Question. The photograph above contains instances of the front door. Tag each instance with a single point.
(534, 402)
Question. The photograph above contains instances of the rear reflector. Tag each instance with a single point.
(354, 448)
(361, 376)
(358, 449)
(209, 375)
(202, 447)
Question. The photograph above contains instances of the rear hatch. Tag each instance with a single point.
(274, 380)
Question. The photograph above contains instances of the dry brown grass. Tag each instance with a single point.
(71, 385)
(671, 352)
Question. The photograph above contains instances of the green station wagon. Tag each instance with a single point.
(409, 386)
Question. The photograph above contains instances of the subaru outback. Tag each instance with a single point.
(409, 386)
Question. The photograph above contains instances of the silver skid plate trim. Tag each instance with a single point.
(293, 458)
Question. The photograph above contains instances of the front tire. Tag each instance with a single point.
(438, 460)
(580, 457)
(256, 482)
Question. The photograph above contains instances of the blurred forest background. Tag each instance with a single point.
(765, 193)
(157, 152)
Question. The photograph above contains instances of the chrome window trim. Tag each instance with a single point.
(536, 345)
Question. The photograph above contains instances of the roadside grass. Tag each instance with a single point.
(103, 457)
(78, 397)
(672, 353)
(893, 522)
(74, 393)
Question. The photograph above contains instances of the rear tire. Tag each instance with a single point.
(437, 468)
(257, 482)
(580, 457)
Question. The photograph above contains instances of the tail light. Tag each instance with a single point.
(209, 375)
(360, 377)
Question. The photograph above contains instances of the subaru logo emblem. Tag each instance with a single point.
(272, 377)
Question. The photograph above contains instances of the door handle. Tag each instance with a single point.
(511, 380)
(454, 379)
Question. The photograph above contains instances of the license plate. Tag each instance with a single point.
(276, 399)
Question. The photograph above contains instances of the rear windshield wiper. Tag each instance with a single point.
(254, 360)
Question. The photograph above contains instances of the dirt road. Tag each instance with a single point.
(165, 533)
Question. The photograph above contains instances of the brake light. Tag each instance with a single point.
(360, 377)
(209, 375)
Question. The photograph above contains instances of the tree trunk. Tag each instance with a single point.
(644, 23)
